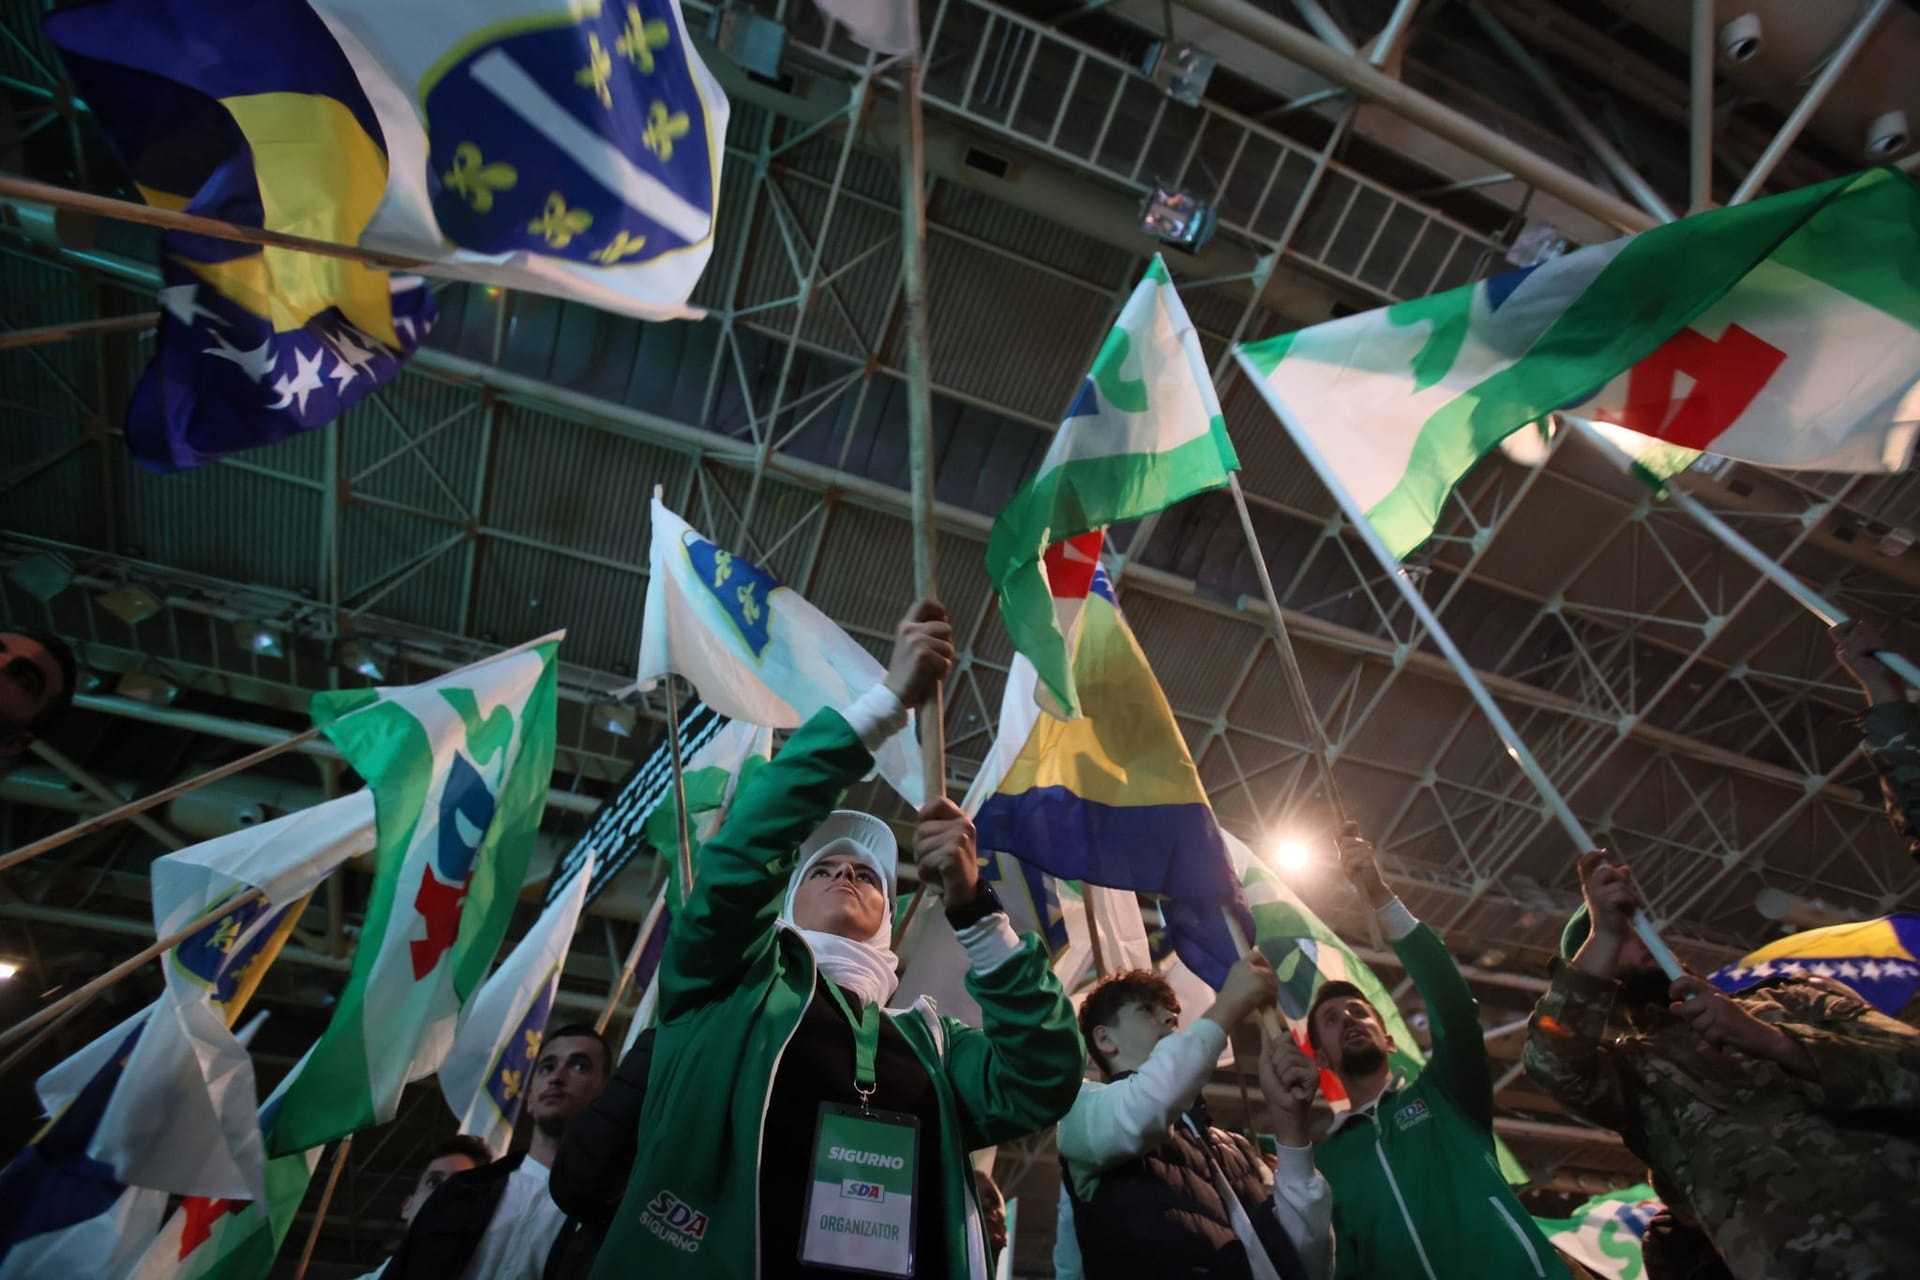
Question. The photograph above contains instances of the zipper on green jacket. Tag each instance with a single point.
(1506, 1215)
(1393, 1184)
(760, 1137)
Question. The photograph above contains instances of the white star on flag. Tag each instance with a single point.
(1848, 969)
(1871, 970)
(257, 363)
(181, 302)
(306, 381)
(342, 374)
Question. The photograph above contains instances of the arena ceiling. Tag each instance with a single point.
(1692, 714)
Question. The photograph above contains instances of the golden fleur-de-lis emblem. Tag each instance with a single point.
(663, 127)
(621, 246)
(225, 934)
(638, 39)
(749, 608)
(722, 566)
(510, 1082)
(557, 224)
(597, 75)
(475, 180)
(533, 1045)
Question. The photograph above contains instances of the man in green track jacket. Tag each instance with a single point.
(1417, 1190)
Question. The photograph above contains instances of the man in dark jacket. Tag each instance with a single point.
(498, 1222)
(590, 1170)
(1891, 727)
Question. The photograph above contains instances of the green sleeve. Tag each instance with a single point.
(1459, 1061)
(1020, 1070)
(1567, 1052)
(741, 877)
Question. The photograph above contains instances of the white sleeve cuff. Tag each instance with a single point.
(876, 716)
(1209, 1036)
(990, 942)
(1296, 1164)
(1396, 919)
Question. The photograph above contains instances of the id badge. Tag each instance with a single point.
(860, 1204)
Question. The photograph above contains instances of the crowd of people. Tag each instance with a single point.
(780, 1119)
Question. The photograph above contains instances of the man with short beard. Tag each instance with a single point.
(498, 1222)
(1780, 1120)
(1417, 1188)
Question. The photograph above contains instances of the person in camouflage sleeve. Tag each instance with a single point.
(1891, 726)
(1781, 1120)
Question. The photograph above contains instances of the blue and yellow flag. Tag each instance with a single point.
(1113, 798)
(246, 111)
(1878, 958)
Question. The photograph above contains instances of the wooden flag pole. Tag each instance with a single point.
(340, 1152)
(146, 215)
(647, 926)
(79, 996)
(683, 838)
(101, 821)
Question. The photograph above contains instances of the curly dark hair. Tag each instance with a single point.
(1117, 991)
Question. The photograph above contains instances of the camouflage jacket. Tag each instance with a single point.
(1892, 731)
(1793, 1179)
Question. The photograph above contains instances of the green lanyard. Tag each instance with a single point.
(866, 1042)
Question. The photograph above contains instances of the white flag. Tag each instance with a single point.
(753, 648)
(566, 148)
(185, 1116)
(887, 27)
(488, 1070)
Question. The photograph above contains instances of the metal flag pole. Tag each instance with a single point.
(1819, 606)
(1509, 736)
(647, 926)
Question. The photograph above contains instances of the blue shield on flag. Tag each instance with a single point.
(584, 138)
(739, 586)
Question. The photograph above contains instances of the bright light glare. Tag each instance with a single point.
(7, 969)
(1291, 855)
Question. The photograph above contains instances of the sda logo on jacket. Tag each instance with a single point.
(1410, 1115)
(675, 1221)
(854, 1189)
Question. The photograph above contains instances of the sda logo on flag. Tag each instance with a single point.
(1410, 1115)
(578, 134)
(853, 1189)
(740, 587)
(466, 811)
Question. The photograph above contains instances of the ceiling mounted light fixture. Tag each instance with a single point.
(613, 718)
(1180, 70)
(144, 686)
(363, 658)
(1177, 218)
(132, 605)
(258, 639)
(41, 576)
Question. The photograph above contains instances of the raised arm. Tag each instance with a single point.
(727, 924)
(1891, 727)
(1459, 1060)
(1567, 1051)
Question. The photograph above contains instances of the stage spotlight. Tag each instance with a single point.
(611, 717)
(362, 658)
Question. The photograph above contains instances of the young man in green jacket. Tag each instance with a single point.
(1417, 1189)
(736, 982)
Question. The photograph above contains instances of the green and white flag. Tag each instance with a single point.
(1783, 332)
(1604, 1234)
(459, 769)
(1144, 432)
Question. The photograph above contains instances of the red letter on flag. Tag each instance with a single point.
(1726, 374)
